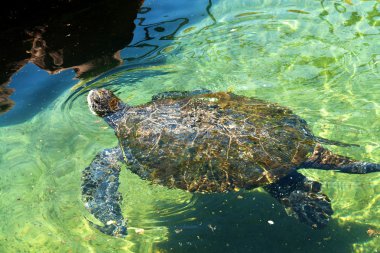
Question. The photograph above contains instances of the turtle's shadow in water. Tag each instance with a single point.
(250, 222)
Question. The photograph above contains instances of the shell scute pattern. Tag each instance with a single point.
(214, 142)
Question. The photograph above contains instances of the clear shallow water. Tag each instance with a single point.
(321, 59)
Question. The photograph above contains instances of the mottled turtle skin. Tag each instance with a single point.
(201, 141)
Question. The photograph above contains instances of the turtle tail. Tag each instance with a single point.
(323, 158)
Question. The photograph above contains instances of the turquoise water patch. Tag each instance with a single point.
(319, 58)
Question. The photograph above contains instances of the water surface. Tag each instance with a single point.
(319, 58)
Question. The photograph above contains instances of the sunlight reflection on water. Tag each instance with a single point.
(316, 58)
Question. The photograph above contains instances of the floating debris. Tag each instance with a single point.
(178, 230)
(299, 11)
(327, 238)
(139, 231)
(211, 227)
(373, 232)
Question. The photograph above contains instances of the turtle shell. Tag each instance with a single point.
(213, 142)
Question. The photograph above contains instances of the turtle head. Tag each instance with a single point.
(103, 102)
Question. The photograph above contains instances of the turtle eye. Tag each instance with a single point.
(113, 104)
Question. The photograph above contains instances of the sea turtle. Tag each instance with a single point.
(201, 141)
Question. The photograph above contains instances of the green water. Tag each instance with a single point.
(319, 58)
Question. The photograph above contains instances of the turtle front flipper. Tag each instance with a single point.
(100, 183)
(303, 199)
(179, 94)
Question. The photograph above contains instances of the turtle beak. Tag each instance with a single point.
(92, 99)
(97, 100)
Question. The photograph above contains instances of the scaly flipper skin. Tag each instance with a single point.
(302, 198)
(100, 183)
(324, 159)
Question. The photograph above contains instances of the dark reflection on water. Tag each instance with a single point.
(88, 43)
(86, 38)
(34, 90)
(238, 222)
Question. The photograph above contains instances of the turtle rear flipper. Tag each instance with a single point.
(100, 183)
(311, 208)
(302, 198)
(323, 158)
(360, 168)
(335, 143)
